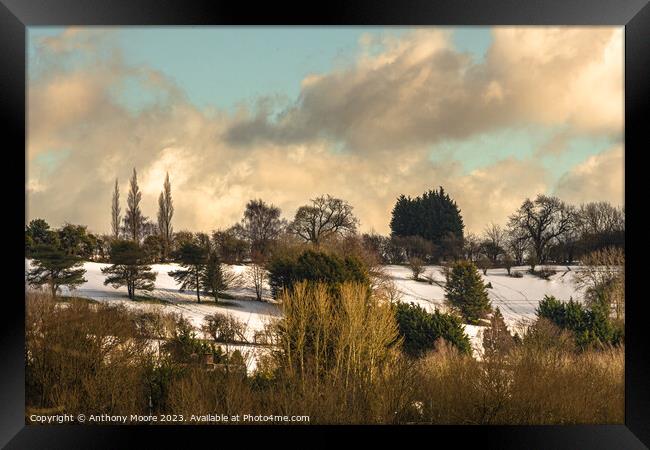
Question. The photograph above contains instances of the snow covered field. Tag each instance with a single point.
(517, 298)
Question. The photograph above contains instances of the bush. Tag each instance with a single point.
(517, 274)
(421, 329)
(315, 267)
(590, 327)
(417, 267)
(466, 292)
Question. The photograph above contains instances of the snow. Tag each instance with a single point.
(517, 298)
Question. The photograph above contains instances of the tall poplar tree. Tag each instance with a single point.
(133, 219)
(165, 214)
(115, 211)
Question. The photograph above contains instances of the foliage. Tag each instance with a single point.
(466, 292)
(421, 330)
(128, 268)
(53, 267)
(434, 216)
(193, 258)
(591, 327)
(314, 266)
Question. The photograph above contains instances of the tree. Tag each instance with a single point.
(433, 216)
(115, 211)
(52, 266)
(128, 268)
(133, 218)
(38, 232)
(229, 246)
(193, 258)
(257, 273)
(421, 330)
(261, 225)
(72, 238)
(602, 276)
(466, 292)
(471, 247)
(494, 238)
(213, 278)
(516, 243)
(325, 217)
(415, 247)
(180, 239)
(497, 340)
(541, 222)
(153, 248)
(591, 327)
(165, 214)
(315, 267)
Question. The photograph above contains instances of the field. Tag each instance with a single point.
(517, 298)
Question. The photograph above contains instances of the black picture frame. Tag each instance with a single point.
(16, 15)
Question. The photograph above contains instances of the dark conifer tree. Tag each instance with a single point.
(53, 267)
(128, 268)
(466, 292)
(193, 258)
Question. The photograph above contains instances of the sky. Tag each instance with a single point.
(494, 115)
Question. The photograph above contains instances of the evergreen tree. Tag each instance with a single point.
(128, 268)
(38, 232)
(213, 279)
(165, 214)
(421, 329)
(497, 340)
(133, 218)
(115, 211)
(434, 216)
(52, 266)
(466, 292)
(193, 258)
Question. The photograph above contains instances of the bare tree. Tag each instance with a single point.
(261, 225)
(471, 247)
(115, 211)
(257, 273)
(602, 276)
(494, 238)
(165, 214)
(326, 216)
(542, 221)
(516, 243)
(601, 217)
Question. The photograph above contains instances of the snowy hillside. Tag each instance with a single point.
(517, 298)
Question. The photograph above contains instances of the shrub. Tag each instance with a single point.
(590, 327)
(466, 292)
(421, 329)
(417, 267)
(315, 267)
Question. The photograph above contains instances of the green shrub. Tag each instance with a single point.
(315, 267)
(421, 329)
(591, 327)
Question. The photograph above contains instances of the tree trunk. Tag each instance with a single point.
(198, 297)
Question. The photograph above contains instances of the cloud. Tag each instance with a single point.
(361, 133)
(420, 90)
(599, 178)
